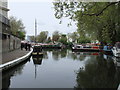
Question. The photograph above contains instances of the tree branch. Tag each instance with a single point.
(97, 14)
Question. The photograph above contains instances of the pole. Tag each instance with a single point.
(35, 29)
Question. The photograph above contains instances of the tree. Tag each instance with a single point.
(55, 36)
(17, 27)
(73, 36)
(32, 38)
(96, 20)
(42, 37)
(49, 40)
(63, 39)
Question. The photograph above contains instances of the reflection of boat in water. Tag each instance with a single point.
(82, 48)
(37, 51)
(116, 50)
(107, 50)
(37, 60)
(117, 61)
(87, 53)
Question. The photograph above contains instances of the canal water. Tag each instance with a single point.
(65, 69)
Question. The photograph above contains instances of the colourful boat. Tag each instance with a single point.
(82, 48)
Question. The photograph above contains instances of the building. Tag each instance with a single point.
(8, 42)
(4, 25)
(4, 17)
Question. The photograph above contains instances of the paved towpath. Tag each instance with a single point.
(10, 56)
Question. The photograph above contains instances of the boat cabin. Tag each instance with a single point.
(37, 49)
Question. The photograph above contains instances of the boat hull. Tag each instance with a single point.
(108, 52)
(86, 50)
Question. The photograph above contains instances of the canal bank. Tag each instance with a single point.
(13, 58)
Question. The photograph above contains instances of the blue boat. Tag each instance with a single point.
(107, 49)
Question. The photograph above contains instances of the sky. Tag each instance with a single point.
(43, 12)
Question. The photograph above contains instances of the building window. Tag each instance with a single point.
(4, 36)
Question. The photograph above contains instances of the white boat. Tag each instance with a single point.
(116, 50)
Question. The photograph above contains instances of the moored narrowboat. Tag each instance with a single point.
(116, 50)
(82, 48)
(37, 51)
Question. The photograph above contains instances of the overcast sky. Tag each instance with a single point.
(43, 11)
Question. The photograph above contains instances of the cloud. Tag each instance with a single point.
(30, 0)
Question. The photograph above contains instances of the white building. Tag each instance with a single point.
(3, 8)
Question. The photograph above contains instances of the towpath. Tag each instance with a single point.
(10, 56)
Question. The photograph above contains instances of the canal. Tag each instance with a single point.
(65, 69)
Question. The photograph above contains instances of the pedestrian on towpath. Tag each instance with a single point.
(29, 46)
(26, 46)
(22, 45)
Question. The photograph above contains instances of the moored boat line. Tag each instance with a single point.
(116, 50)
(86, 48)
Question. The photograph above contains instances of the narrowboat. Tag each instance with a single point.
(82, 48)
(37, 51)
(107, 50)
(116, 50)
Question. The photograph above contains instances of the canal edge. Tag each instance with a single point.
(15, 61)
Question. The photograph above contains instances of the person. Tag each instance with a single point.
(26, 46)
(29, 46)
(22, 45)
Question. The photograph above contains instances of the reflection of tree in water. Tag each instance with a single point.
(63, 53)
(56, 54)
(98, 73)
(80, 55)
(6, 75)
(45, 55)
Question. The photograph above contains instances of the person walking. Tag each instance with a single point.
(26, 46)
(22, 45)
(29, 45)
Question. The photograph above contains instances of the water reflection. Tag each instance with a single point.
(7, 75)
(56, 53)
(82, 55)
(57, 69)
(99, 72)
(37, 61)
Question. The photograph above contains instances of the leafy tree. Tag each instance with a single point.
(55, 36)
(49, 40)
(83, 40)
(32, 38)
(63, 39)
(42, 37)
(96, 20)
(73, 36)
(17, 27)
